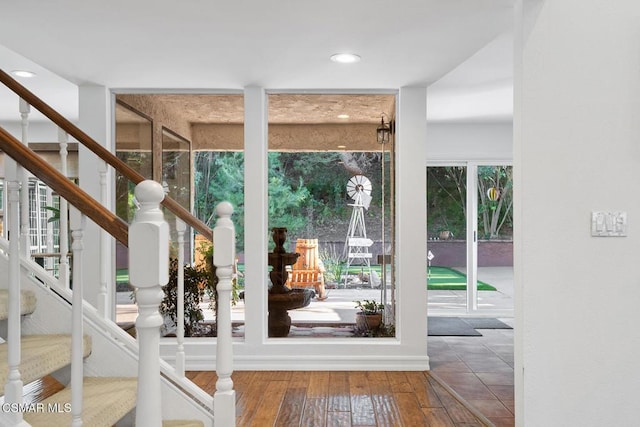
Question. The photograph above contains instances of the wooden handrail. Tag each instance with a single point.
(100, 151)
(65, 188)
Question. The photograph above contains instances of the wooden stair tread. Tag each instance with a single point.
(106, 401)
(41, 355)
(27, 303)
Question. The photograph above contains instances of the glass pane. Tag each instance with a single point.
(331, 186)
(218, 176)
(133, 133)
(447, 245)
(495, 237)
(133, 146)
(176, 181)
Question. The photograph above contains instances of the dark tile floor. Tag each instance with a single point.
(479, 369)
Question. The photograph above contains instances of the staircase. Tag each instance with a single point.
(107, 400)
(48, 329)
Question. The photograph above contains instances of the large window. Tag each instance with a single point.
(331, 185)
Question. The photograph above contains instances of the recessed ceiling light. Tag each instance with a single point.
(23, 73)
(345, 58)
(343, 116)
(342, 146)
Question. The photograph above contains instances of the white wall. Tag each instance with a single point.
(469, 141)
(577, 150)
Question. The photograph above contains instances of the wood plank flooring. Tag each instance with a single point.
(342, 398)
(327, 398)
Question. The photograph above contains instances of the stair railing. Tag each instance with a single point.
(99, 150)
(70, 193)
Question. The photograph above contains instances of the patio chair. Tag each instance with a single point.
(308, 270)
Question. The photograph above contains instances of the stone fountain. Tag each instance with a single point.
(281, 299)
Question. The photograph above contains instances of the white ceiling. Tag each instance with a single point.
(464, 46)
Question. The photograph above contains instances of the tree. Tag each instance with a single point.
(447, 199)
(219, 176)
(494, 214)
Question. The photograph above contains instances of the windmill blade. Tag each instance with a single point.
(358, 184)
(366, 200)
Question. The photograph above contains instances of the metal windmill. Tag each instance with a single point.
(357, 244)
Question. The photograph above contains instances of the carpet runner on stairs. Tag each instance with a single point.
(106, 400)
(27, 303)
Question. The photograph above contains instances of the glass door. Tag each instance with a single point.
(447, 234)
(470, 247)
(494, 247)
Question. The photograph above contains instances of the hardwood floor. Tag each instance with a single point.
(328, 398)
(339, 398)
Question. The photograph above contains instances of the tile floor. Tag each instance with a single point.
(479, 369)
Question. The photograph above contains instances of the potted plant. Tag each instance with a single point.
(197, 281)
(370, 315)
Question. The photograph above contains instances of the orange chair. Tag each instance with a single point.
(308, 270)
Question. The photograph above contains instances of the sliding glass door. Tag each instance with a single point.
(447, 234)
(470, 245)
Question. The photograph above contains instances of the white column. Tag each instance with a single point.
(411, 219)
(255, 220)
(148, 272)
(224, 255)
(95, 112)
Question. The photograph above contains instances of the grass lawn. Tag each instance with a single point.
(440, 278)
(445, 278)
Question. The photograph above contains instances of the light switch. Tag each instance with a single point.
(608, 224)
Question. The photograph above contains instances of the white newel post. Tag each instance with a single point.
(148, 272)
(77, 327)
(13, 387)
(23, 176)
(181, 227)
(224, 244)
(63, 268)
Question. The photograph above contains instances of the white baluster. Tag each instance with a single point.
(148, 272)
(224, 243)
(23, 176)
(13, 387)
(181, 227)
(104, 307)
(63, 267)
(77, 327)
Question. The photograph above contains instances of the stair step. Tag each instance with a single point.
(183, 423)
(106, 401)
(27, 303)
(41, 355)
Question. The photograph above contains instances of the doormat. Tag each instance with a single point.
(486, 323)
(450, 327)
(461, 327)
